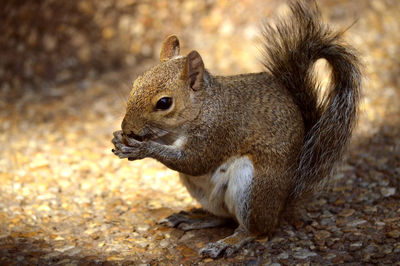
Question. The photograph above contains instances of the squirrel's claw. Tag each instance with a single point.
(214, 249)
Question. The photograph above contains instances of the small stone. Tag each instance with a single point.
(388, 191)
(187, 236)
(309, 228)
(142, 228)
(326, 214)
(370, 249)
(302, 235)
(322, 234)
(339, 202)
(63, 249)
(142, 242)
(346, 212)
(380, 224)
(304, 254)
(355, 246)
(108, 33)
(370, 209)
(387, 249)
(283, 255)
(51, 255)
(64, 262)
(313, 215)
(114, 258)
(315, 224)
(397, 249)
(277, 239)
(321, 246)
(49, 42)
(356, 222)
(263, 240)
(58, 238)
(330, 256)
(327, 221)
(393, 234)
(186, 251)
(164, 243)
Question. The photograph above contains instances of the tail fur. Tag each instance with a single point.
(291, 48)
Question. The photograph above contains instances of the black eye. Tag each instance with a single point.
(164, 103)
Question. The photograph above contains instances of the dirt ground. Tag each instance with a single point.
(65, 199)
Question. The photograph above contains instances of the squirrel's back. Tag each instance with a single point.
(261, 107)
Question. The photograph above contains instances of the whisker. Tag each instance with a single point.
(122, 95)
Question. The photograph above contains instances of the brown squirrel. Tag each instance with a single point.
(248, 146)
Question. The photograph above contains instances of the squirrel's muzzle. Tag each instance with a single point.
(129, 129)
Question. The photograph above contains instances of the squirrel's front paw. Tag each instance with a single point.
(127, 147)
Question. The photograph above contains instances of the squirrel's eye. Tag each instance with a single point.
(164, 103)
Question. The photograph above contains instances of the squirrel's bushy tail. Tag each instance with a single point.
(292, 47)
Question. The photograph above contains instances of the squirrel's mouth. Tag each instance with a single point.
(161, 137)
(164, 139)
(138, 137)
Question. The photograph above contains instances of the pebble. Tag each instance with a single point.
(387, 249)
(393, 234)
(330, 256)
(355, 246)
(327, 221)
(346, 212)
(322, 234)
(283, 255)
(164, 243)
(371, 249)
(143, 228)
(388, 191)
(64, 249)
(303, 254)
(356, 222)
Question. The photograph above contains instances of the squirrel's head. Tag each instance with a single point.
(167, 96)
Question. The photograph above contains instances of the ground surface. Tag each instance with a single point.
(66, 200)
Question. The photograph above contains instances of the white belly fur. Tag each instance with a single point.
(226, 191)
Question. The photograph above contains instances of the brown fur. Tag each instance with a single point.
(271, 117)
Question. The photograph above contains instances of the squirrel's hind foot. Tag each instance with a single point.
(228, 245)
(195, 219)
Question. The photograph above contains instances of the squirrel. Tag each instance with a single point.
(248, 146)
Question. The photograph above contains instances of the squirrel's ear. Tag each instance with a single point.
(170, 48)
(194, 70)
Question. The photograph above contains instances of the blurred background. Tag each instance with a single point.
(66, 68)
